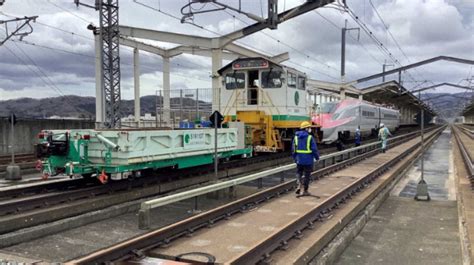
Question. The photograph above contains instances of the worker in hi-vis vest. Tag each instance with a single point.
(304, 151)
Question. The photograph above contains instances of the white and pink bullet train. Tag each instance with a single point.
(340, 119)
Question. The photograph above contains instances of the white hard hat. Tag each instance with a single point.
(381, 125)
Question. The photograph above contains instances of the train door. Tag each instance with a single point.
(359, 115)
(380, 117)
(252, 87)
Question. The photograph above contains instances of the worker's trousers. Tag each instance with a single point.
(303, 174)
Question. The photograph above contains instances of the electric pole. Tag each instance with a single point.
(383, 69)
(343, 48)
(110, 55)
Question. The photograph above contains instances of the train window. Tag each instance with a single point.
(291, 80)
(271, 79)
(368, 113)
(235, 80)
(391, 116)
(301, 82)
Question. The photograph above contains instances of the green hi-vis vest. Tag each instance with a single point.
(308, 146)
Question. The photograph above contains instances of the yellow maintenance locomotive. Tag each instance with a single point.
(269, 97)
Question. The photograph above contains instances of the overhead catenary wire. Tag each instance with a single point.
(383, 48)
(350, 36)
(49, 83)
(288, 45)
(75, 34)
(391, 35)
(189, 77)
(76, 53)
(91, 56)
(67, 11)
(50, 26)
(159, 10)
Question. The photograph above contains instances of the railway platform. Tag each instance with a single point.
(281, 230)
(406, 231)
(362, 212)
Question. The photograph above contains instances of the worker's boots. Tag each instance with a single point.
(298, 190)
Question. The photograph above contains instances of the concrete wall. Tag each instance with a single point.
(26, 131)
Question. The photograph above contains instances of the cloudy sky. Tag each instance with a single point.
(58, 57)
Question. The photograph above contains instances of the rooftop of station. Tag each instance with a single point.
(469, 110)
(392, 92)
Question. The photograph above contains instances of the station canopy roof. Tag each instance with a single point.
(393, 93)
(469, 110)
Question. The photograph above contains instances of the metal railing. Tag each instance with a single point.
(325, 161)
(185, 105)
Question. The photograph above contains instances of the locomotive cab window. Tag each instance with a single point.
(271, 78)
(301, 82)
(235, 80)
(291, 80)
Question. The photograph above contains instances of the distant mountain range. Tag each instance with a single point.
(84, 107)
(448, 104)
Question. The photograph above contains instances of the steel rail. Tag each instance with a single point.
(280, 238)
(147, 206)
(25, 212)
(465, 154)
(66, 184)
(21, 157)
(129, 248)
(467, 131)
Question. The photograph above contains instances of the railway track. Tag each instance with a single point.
(73, 184)
(465, 139)
(33, 205)
(163, 175)
(27, 163)
(6, 159)
(187, 241)
(29, 206)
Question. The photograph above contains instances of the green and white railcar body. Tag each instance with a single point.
(121, 153)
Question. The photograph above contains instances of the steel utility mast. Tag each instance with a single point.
(110, 56)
